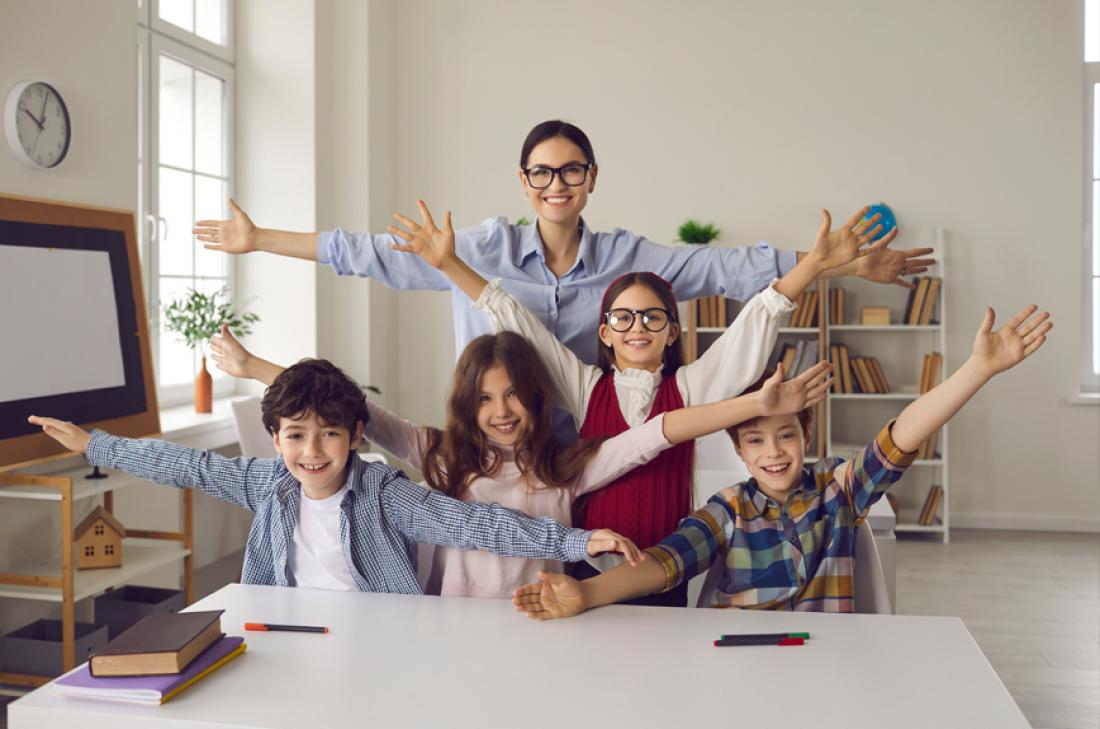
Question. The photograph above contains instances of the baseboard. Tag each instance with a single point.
(1026, 522)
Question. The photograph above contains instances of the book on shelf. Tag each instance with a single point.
(845, 370)
(931, 505)
(834, 360)
(158, 644)
(148, 690)
(915, 300)
(927, 450)
(809, 356)
(811, 310)
(786, 356)
(879, 376)
(874, 316)
(929, 301)
(930, 372)
(863, 375)
(836, 306)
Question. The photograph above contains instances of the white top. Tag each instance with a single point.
(415, 661)
(732, 363)
(316, 555)
(459, 572)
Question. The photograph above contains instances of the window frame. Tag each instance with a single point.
(152, 43)
(1090, 379)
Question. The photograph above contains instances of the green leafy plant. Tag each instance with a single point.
(696, 233)
(198, 316)
(521, 220)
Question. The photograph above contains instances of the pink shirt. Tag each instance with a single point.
(463, 573)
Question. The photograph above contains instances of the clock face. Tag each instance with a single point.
(37, 124)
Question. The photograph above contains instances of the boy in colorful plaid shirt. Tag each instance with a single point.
(785, 539)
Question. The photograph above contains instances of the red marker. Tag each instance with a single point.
(287, 628)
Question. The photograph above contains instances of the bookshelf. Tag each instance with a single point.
(847, 421)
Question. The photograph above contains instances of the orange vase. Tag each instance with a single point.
(204, 390)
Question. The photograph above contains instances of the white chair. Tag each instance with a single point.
(869, 582)
(253, 437)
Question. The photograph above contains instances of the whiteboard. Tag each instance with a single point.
(60, 326)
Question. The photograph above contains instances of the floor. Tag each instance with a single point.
(1032, 602)
(1030, 599)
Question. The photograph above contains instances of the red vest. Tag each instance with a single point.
(646, 504)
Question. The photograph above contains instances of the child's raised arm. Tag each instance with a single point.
(437, 248)
(993, 353)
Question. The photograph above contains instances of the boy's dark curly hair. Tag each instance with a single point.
(314, 386)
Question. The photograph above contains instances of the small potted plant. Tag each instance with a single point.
(696, 233)
(197, 317)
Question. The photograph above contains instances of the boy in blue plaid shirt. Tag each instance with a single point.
(785, 539)
(323, 517)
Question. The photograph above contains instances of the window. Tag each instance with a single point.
(109, 550)
(185, 154)
(89, 551)
(99, 530)
(1091, 359)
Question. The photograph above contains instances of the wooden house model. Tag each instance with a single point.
(99, 541)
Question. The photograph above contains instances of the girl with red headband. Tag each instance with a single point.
(640, 373)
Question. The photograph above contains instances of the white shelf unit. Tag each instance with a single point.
(57, 580)
(900, 348)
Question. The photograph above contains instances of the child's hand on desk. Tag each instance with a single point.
(554, 596)
(229, 355)
(605, 540)
(435, 246)
(996, 351)
(63, 432)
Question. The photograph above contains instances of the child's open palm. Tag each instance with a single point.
(997, 351)
(837, 247)
(435, 246)
(553, 596)
(779, 397)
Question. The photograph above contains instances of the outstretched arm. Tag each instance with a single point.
(560, 596)
(993, 353)
(437, 248)
(240, 235)
(230, 356)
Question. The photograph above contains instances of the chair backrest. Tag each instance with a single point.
(254, 439)
(869, 582)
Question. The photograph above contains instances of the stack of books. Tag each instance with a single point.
(710, 311)
(922, 300)
(805, 310)
(155, 659)
(856, 374)
(931, 506)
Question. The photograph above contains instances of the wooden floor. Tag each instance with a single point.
(1032, 602)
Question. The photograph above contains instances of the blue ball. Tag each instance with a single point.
(887, 220)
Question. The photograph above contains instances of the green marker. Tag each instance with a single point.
(767, 636)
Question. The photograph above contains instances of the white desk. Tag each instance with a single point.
(402, 661)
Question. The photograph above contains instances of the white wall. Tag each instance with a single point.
(755, 115)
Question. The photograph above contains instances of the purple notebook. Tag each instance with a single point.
(148, 689)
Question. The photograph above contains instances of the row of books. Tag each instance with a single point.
(856, 374)
(155, 659)
(931, 506)
(922, 300)
(836, 306)
(805, 310)
(710, 311)
(797, 358)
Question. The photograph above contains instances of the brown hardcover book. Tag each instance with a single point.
(811, 313)
(722, 320)
(926, 512)
(158, 645)
(834, 360)
(786, 357)
(908, 306)
(928, 448)
(926, 365)
(929, 301)
(935, 361)
(918, 301)
(799, 307)
(936, 495)
(845, 369)
(840, 306)
(863, 375)
(878, 374)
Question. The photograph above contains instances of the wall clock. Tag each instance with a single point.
(36, 124)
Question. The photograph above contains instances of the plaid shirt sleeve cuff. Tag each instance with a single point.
(98, 452)
(576, 545)
(889, 451)
(667, 560)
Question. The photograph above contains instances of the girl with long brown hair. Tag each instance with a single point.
(498, 447)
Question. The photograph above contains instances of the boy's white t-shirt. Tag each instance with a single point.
(316, 556)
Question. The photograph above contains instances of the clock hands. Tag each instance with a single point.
(33, 118)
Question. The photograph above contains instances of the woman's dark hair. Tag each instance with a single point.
(551, 129)
(462, 452)
(318, 387)
(805, 415)
(673, 356)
